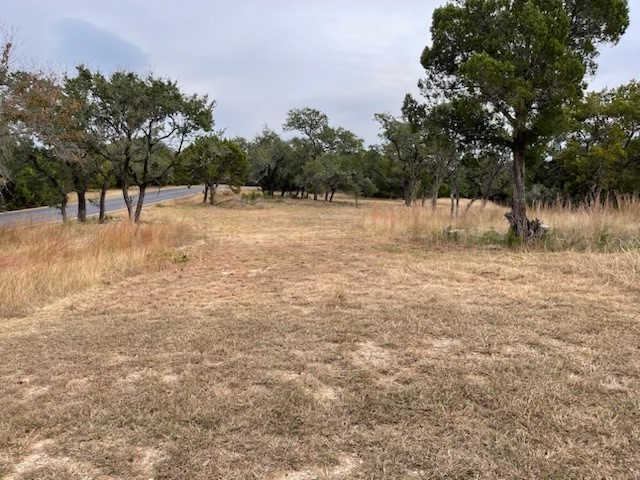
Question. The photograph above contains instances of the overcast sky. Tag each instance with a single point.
(260, 58)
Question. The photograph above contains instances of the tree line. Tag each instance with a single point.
(504, 88)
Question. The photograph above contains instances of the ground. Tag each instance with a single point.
(296, 342)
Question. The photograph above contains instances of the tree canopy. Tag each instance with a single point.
(521, 61)
(143, 125)
(214, 161)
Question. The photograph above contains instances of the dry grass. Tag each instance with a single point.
(435, 227)
(586, 228)
(300, 342)
(45, 262)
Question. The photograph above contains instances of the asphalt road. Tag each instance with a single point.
(49, 214)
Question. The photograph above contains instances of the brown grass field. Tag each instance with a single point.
(297, 340)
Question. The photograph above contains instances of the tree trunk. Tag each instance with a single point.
(408, 200)
(206, 193)
(333, 192)
(326, 196)
(434, 193)
(212, 195)
(82, 206)
(468, 207)
(143, 189)
(63, 209)
(455, 202)
(315, 196)
(103, 197)
(411, 187)
(519, 205)
(128, 201)
(529, 231)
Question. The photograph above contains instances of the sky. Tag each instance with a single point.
(260, 58)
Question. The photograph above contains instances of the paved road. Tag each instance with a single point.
(48, 214)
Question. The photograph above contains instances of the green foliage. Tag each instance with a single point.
(38, 179)
(517, 64)
(214, 161)
(323, 160)
(251, 197)
(273, 163)
(313, 124)
(406, 145)
(141, 125)
(599, 154)
(423, 144)
(494, 237)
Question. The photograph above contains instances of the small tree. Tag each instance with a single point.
(272, 162)
(407, 145)
(214, 161)
(45, 112)
(313, 124)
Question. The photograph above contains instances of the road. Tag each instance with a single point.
(49, 214)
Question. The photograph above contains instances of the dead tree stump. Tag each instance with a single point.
(530, 231)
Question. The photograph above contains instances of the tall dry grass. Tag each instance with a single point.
(601, 226)
(600, 237)
(44, 262)
(433, 226)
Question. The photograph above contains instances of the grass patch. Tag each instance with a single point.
(308, 340)
(44, 262)
(601, 227)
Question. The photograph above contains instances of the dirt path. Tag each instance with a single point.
(293, 344)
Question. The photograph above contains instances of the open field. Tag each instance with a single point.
(299, 340)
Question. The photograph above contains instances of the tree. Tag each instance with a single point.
(355, 176)
(318, 151)
(6, 49)
(442, 145)
(58, 178)
(143, 124)
(42, 111)
(313, 124)
(406, 146)
(598, 156)
(271, 161)
(36, 179)
(522, 61)
(316, 174)
(485, 173)
(214, 161)
(383, 171)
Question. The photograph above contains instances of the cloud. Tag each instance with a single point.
(79, 41)
(259, 59)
